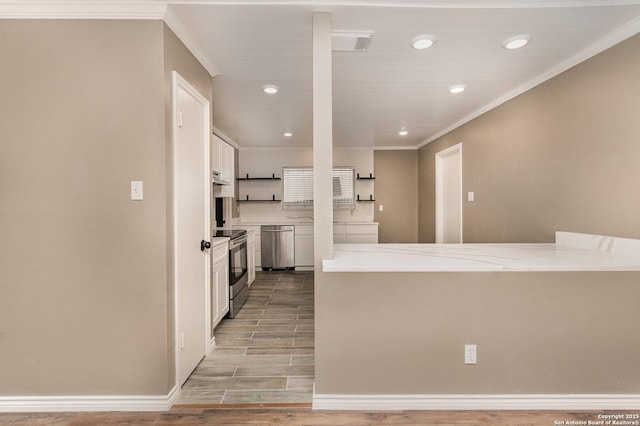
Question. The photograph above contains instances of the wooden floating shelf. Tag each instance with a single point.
(361, 201)
(370, 177)
(273, 177)
(247, 200)
(366, 199)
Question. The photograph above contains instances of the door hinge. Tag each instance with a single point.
(180, 119)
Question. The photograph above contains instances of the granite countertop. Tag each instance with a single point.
(571, 252)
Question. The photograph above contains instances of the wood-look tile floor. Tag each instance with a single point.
(266, 353)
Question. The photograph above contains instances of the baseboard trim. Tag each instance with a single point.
(475, 402)
(35, 404)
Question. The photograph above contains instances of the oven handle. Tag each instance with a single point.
(237, 242)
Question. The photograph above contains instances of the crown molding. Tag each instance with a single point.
(426, 4)
(83, 9)
(176, 25)
(107, 9)
(619, 35)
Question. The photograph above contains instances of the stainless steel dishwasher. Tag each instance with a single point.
(277, 243)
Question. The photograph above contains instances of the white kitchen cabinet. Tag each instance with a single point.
(223, 161)
(251, 256)
(338, 233)
(355, 233)
(219, 284)
(304, 246)
(214, 154)
(361, 233)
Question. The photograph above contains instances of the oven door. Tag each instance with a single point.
(238, 260)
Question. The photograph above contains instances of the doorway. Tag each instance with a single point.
(449, 195)
(191, 192)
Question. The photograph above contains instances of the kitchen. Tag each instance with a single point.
(495, 174)
(557, 157)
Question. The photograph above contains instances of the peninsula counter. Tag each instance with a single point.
(556, 326)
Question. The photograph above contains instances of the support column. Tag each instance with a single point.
(322, 141)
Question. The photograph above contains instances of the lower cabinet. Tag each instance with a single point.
(361, 233)
(304, 246)
(355, 233)
(219, 284)
(251, 256)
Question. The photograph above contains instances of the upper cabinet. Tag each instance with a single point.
(223, 161)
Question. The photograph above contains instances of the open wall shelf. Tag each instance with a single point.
(370, 177)
(273, 177)
(248, 200)
(365, 199)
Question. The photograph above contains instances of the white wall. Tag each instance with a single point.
(263, 162)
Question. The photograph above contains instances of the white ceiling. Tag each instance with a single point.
(250, 43)
(392, 85)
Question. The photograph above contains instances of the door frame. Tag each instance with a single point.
(179, 82)
(440, 213)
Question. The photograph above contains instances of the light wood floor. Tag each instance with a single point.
(301, 414)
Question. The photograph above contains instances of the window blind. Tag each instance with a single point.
(344, 188)
(298, 187)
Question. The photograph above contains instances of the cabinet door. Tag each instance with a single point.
(338, 233)
(304, 250)
(216, 164)
(219, 291)
(361, 233)
(227, 171)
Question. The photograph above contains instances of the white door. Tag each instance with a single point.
(449, 195)
(192, 194)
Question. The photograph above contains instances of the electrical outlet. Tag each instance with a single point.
(380, 207)
(470, 354)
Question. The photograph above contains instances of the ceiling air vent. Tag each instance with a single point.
(351, 41)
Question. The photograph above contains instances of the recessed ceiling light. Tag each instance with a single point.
(516, 42)
(458, 88)
(287, 134)
(270, 89)
(403, 132)
(424, 41)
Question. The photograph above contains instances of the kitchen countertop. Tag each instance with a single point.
(571, 252)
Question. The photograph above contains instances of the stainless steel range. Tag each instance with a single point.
(238, 271)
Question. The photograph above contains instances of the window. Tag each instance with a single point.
(298, 187)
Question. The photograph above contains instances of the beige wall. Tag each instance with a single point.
(536, 333)
(563, 156)
(397, 191)
(86, 305)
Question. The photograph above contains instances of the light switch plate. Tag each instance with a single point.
(470, 196)
(136, 190)
(380, 207)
